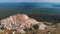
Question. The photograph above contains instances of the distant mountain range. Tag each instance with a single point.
(38, 8)
(31, 5)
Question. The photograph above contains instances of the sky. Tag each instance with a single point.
(29, 0)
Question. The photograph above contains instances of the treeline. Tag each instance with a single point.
(46, 18)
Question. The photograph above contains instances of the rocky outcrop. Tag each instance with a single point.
(20, 22)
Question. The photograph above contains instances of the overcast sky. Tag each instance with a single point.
(29, 0)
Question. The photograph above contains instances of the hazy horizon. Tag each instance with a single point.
(29, 0)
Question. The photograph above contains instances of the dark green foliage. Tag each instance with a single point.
(33, 33)
(30, 29)
(36, 26)
(14, 29)
(26, 29)
(2, 28)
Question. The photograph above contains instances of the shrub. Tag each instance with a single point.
(36, 26)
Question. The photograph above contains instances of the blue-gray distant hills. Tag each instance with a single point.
(33, 9)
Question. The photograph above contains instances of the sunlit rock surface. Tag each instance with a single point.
(20, 22)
